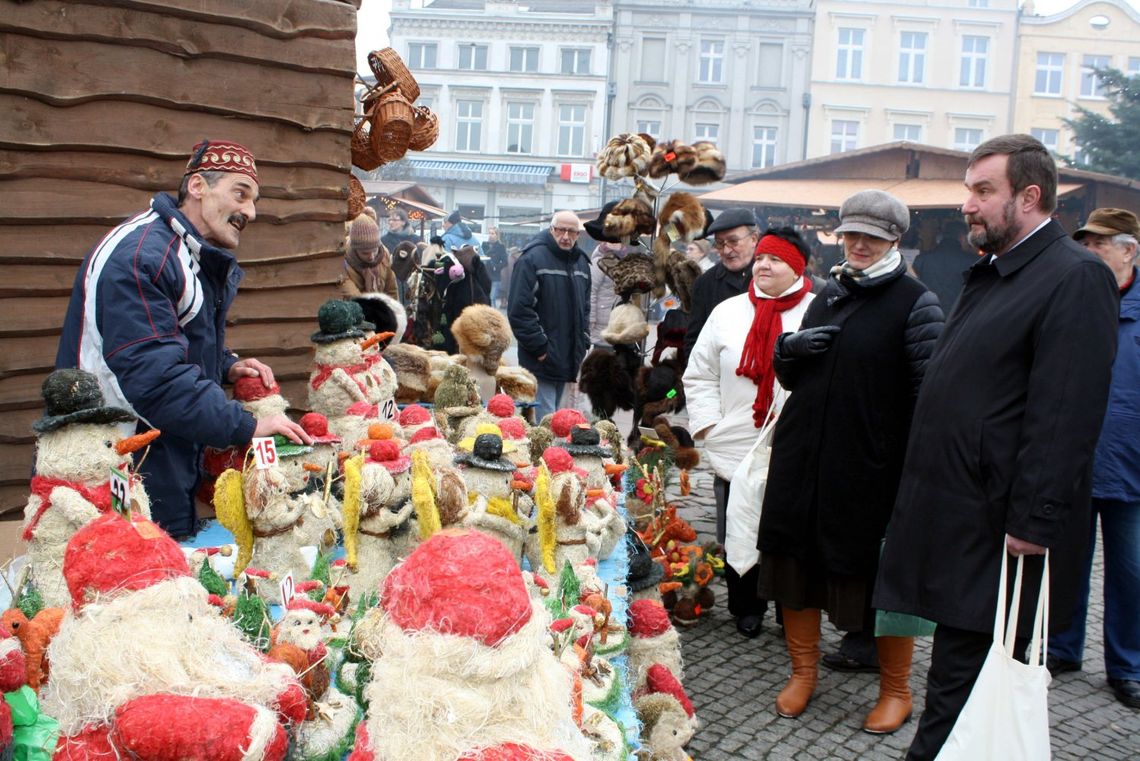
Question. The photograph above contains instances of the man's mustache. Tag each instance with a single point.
(238, 220)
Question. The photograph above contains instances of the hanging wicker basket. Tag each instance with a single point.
(425, 129)
(363, 156)
(356, 197)
(392, 122)
(388, 67)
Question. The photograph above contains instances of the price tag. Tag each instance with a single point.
(264, 452)
(388, 410)
(288, 589)
(120, 491)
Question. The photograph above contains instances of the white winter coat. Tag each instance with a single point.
(718, 400)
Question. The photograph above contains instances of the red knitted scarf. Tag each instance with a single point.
(756, 359)
(42, 486)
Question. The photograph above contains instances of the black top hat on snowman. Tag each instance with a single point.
(74, 396)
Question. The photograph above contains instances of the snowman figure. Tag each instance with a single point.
(584, 445)
(489, 476)
(377, 512)
(342, 376)
(80, 440)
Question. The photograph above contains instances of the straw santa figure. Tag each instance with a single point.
(143, 665)
(80, 440)
(456, 623)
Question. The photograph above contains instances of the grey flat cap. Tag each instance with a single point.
(730, 219)
(874, 212)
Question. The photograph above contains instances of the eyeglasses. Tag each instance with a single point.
(565, 231)
(724, 243)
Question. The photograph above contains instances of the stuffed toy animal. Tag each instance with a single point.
(489, 476)
(671, 157)
(455, 620)
(625, 155)
(143, 665)
(709, 167)
(630, 218)
(566, 534)
(34, 636)
(584, 445)
(79, 440)
(667, 718)
(412, 366)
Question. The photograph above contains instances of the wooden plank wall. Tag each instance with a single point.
(100, 104)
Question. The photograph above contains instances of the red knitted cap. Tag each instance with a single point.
(414, 414)
(565, 419)
(222, 156)
(660, 679)
(648, 618)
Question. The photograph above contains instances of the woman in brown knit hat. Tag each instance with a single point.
(367, 264)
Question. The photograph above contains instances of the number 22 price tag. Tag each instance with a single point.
(120, 491)
(264, 452)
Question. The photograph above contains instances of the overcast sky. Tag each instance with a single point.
(372, 24)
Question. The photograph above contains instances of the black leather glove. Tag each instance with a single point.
(807, 342)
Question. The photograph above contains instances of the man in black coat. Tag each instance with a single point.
(1000, 448)
(549, 308)
(495, 256)
(735, 234)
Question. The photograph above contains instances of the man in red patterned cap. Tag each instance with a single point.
(147, 316)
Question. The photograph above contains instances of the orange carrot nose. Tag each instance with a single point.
(521, 485)
(136, 442)
(312, 467)
(613, 469)
(368, 343)
(595, 493)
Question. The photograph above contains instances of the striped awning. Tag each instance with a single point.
(481, 171)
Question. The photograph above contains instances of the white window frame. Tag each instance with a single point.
(520, 127)
(911, 131)
(528, 58)
(710, 66)
(651, 127)
(1091, 86)
(473, 50)
(973, 64)
(418, 55)
(765, 140)
(571, 130)
(707, 131)
(1050, 67)
(577, 65)
(849, 53)
(844, 135)
(912, 57)
(1043, 133)
(961, 143)
(468, 125)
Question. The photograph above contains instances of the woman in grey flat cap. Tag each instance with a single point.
(854, 369)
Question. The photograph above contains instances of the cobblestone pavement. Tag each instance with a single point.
(733, 682)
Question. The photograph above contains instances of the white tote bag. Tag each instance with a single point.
(745, 497)
(1007, 714)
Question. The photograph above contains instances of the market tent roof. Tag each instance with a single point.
(830, 193)
(431, 212)
(481, 171)
(405, 190)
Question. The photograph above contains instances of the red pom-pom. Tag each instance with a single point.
(424, 434)
(648, 618)
(414, 414)
(565, 419)
(660, 679)
(512, 428)
(458, 582)
(501, 405)
(315, 424)
(384, 450)
(557, 460)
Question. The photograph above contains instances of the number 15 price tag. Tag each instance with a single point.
(264, 452)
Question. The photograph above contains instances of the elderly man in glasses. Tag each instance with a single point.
(549, 308)
(735, 234)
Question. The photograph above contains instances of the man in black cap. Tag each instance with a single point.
(735, 234)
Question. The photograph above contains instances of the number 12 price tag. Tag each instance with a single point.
(264, 452)
(288, 589)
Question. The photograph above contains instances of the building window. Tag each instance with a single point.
(571, 130)
(468, 124)
(575, 61)
(844, 135)
(912, 57)
(770, 72)
(650, 127)
(849, 54)
(421, 55)
(979, 3)
(763, 147)
(972, 72)
(1050, 68)
(524, 59)
(1133, 67)
(711, 62)
(473, 57)
(911, 132)
(1048, 137)
(653, 59)
(967, 138)
(707, 131)
(520, 127)
(1091, 86)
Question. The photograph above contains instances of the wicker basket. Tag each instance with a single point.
(356, 197)
(392, 123)
(388, 67)
(425, 130)
(363, 156)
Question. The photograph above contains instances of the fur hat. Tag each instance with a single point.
(482, 331)
(660, 390)
(74, 396)
(632, 273)
(672, 157)
(386, 314)
(606, 377)
(336, 321)
(412, 366)
(518, 382)
(629, 218)
(113, 554)
(624, 155)
(681, 275)
(363, 234)
(710, 165)
(404, 260)
(595, 228)
(626, 325)
(682, 217)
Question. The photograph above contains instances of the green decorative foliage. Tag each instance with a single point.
(212, 580)
(1110, 144)
(251, 617)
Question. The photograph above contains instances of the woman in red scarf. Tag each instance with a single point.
(731, 388)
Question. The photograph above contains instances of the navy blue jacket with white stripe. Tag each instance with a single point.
(147, 316)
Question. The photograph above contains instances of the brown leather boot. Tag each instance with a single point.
(801, 633)
(894, 706)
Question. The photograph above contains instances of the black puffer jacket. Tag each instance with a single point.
(549, 308)
(838, 448)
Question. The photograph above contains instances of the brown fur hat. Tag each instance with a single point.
(413, 371)
(628, 218)
(624, 155)
(632, 273)
(606, 377)
(671, 157)
(404, 260)
(681, 273)
(682, 217)
(483, 331)
(517, 382)
(660, 389)
(710, 165)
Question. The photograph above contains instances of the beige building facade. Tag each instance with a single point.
(1057, 60)
(937, 72)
